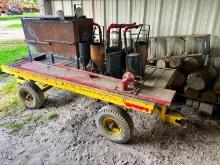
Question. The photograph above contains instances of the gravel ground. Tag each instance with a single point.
(72, 138)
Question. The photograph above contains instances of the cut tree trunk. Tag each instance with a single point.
(191, 64)
(216, 86)
(213, 72)
(217, 63)
(209, 96)
(176, 62)
(199, 80)
(191, 93)
(178, 80)
(163, 63)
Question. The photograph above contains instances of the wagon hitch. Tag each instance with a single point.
(174, 118)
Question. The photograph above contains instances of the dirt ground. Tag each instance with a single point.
(72, 137)
(10, 33)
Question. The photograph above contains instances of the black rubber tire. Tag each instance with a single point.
(35, 94)
(121, 117)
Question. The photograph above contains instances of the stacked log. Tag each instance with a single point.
(176, 62)
(209, 96)
(216, 62)
(163, 63)
(178, 80)
(213, 72)
(191, 93)
(191, 64)
(216, 86)
(199, 80)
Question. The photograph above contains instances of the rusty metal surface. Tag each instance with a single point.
(57, 36)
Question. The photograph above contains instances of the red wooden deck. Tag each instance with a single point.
(90, 79)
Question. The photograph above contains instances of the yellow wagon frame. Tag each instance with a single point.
(126, 102)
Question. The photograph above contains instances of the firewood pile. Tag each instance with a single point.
(199, 84)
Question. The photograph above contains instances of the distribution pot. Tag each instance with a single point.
(98, 55)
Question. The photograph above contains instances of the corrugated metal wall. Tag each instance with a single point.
(166, 17)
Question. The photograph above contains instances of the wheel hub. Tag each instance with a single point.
(111, 126)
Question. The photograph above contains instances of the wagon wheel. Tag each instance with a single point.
(31, 95)
(115, 124)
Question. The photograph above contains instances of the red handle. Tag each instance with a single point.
(114, 25)
(132, 27)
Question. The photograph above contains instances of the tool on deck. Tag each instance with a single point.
(114, 54)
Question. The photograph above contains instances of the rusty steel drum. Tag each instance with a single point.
(54, 35)
(97, 51)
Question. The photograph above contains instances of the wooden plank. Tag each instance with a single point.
(195, 104)
(165, 78)
(154, 77)
(148, 72)
(206, 108)
(189, 102)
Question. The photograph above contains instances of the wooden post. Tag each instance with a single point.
(195, 104)
(189, 102)
(206, 108)
(42, 6)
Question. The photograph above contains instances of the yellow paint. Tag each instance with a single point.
(109, 97)
(111, 126)
(173, 118)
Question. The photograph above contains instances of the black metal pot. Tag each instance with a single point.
(84, 52)
(114, 64)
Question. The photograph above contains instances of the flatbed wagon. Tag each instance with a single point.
(113, 121)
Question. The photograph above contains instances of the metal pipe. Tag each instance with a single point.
(100, 31)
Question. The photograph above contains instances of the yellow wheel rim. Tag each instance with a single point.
(111, 126)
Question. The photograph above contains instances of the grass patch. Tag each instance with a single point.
(17, 17)
(16, 125)
(14, 26)
(9, 87)
(51, 115)
(10, 104)
(11, 51)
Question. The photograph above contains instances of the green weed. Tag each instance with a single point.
(17, 17)
(14, 26)
(16, 125)
(51, 115)
(9, 87)
(11, 51)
